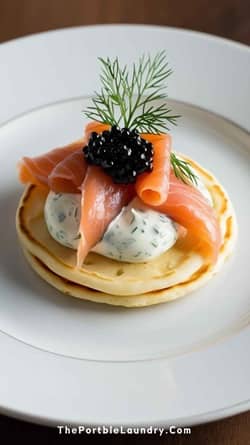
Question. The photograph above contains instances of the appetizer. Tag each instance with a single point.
(118, 216)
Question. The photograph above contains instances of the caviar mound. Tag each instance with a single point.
(122, 154)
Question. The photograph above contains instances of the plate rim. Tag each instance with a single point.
(200, 418)
(196, 419)
(201, 34)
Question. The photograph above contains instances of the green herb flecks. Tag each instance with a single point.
(137, 254)
(134, 230)
(154, 244)
(132, 220)
(156, 230)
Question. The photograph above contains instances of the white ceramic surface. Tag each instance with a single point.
(68, 361)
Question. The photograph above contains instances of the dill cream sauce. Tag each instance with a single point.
(137, 234)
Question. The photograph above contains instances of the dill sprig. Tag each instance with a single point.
(182, 170)
(134, 99)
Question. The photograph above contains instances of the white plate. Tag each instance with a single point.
(68, 361)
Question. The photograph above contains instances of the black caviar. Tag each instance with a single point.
(122, 154)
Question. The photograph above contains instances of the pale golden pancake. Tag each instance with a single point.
(177, 272)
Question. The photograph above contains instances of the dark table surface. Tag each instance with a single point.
(226, 18)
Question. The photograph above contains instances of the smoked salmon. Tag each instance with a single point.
(68, 175)
(153, 187)
(102, 201)
(38, 169)
(62, 169)
(188, 207)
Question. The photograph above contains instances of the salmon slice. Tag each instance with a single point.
(188, 207)
(102, 201)
(153, 187)
(37, 170)
(68, 175)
